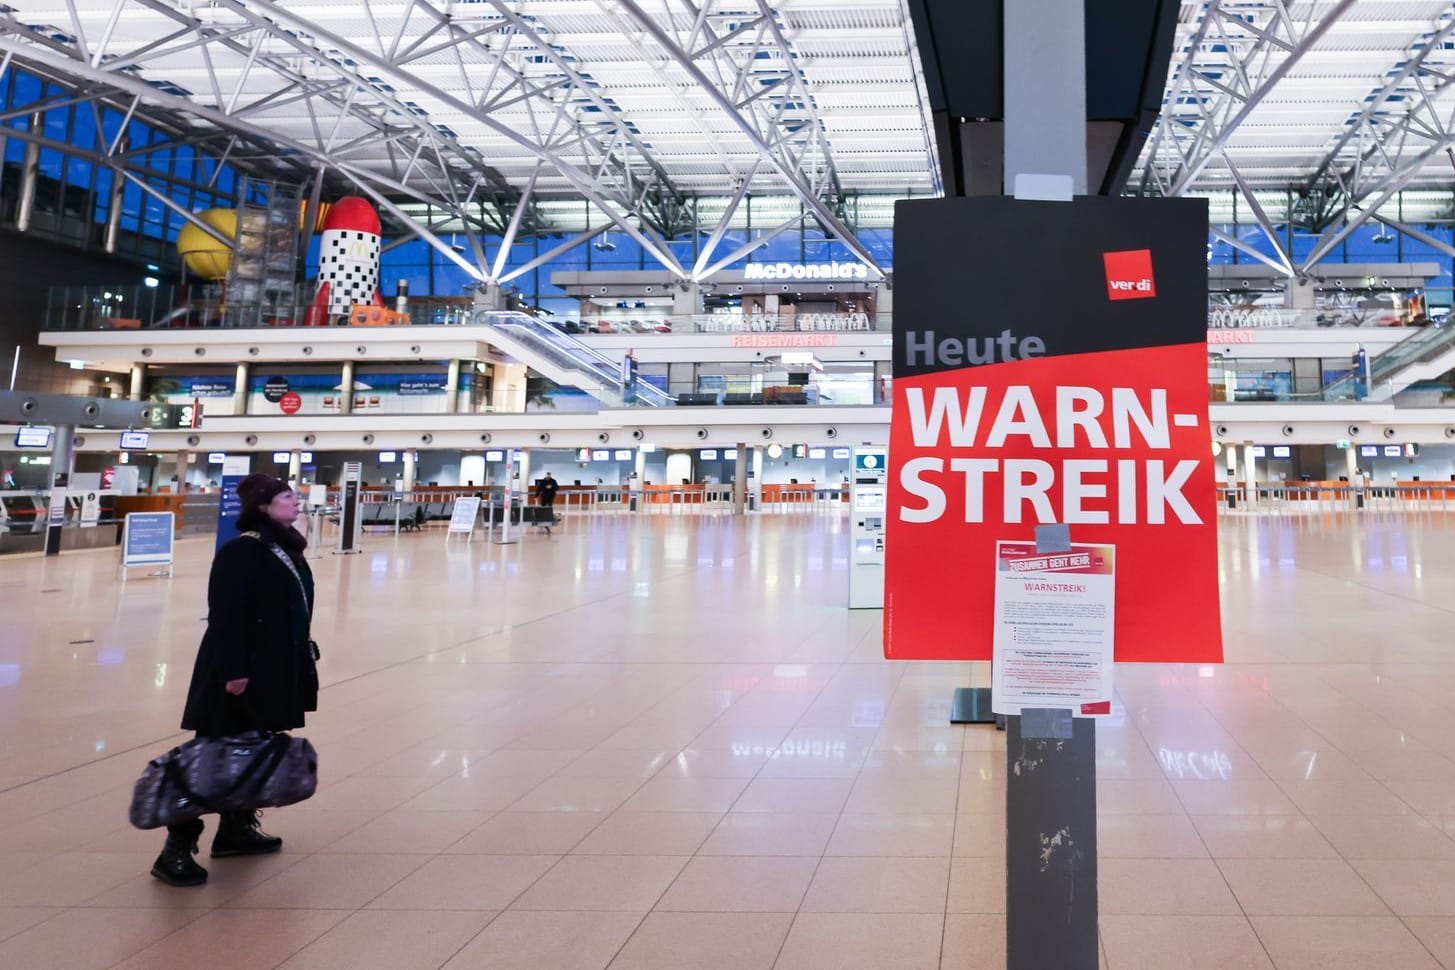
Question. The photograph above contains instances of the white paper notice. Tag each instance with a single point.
(1054, 617)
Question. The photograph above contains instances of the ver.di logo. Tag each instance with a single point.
(1129, 275)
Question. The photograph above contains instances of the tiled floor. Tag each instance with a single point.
(666, 744)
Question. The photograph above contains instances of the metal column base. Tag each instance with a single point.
(972, 706)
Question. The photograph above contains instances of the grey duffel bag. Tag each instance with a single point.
(237, 774)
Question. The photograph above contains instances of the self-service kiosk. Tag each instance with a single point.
(868, 505)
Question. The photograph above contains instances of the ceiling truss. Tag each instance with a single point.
(376, 107)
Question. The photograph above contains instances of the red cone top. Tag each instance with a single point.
(352, 214)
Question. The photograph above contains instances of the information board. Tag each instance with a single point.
(1092, 413)
(90, 508)
(234, 469)
(146, 539)
(56, 512)
(1054, 615)
(463, 517)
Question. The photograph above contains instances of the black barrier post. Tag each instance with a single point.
(62, 448)
(1050, 841)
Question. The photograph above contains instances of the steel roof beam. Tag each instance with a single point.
(1367, 203)
(370, 183)
(791, 174)
(1209, 147)
(585, 183)
(1411, 65)
(1417, 235)
(1261, 217)
(1253, 251)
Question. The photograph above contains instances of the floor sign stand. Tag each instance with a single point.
(146, 540)
(462, 518)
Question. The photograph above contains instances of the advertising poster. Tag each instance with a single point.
(1013, 411)
(90, 508)
(234, 470)
(1054, 614)
(56, 512)
(382, 392)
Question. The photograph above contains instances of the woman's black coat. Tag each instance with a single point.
(258, 617)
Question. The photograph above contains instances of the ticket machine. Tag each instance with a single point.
(868, 508)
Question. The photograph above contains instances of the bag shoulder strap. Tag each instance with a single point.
(283, 557)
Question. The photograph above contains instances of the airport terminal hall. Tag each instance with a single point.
(727, 485)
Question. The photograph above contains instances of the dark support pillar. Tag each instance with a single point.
(1050, 844)
(1050, 839)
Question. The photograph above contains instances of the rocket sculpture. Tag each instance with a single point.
(348, 260)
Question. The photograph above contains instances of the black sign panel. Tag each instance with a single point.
(274, 389)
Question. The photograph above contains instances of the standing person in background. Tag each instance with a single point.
(546, 490)
(256, 668)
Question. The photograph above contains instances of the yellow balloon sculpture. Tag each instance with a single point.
(202, 254)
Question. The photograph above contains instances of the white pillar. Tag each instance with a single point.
(411, 468)
(883, 306)
(507, 388)
(740, 480)
(522, 468)
(639, 481)
(1250, 472)
(1045, 91)
(240, 389)
(1298, 294)
(686, 300)
(295, 469)
(489, 296)
(1230, 452)
(755, 483)
(452, 388)
(184, 460)
(346, 389)
(136, 389)
(472, 470)
(1351, 463)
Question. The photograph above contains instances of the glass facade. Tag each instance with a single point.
(74, 193)
(63, 135)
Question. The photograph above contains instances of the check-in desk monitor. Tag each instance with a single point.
(868, 500)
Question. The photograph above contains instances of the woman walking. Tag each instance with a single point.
(255, 669)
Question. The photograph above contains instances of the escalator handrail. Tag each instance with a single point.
(572, 353)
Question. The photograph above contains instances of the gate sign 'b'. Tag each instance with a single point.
(1071, 389)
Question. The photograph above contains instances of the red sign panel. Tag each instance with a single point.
(1129, 275)
(1092, 413)
(290, 403)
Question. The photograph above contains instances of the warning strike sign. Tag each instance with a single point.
(1068, 386)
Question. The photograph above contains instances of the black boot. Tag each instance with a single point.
(238, 833)
(175, 866)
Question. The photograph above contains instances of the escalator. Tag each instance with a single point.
(566, 360)
(1424, 355)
